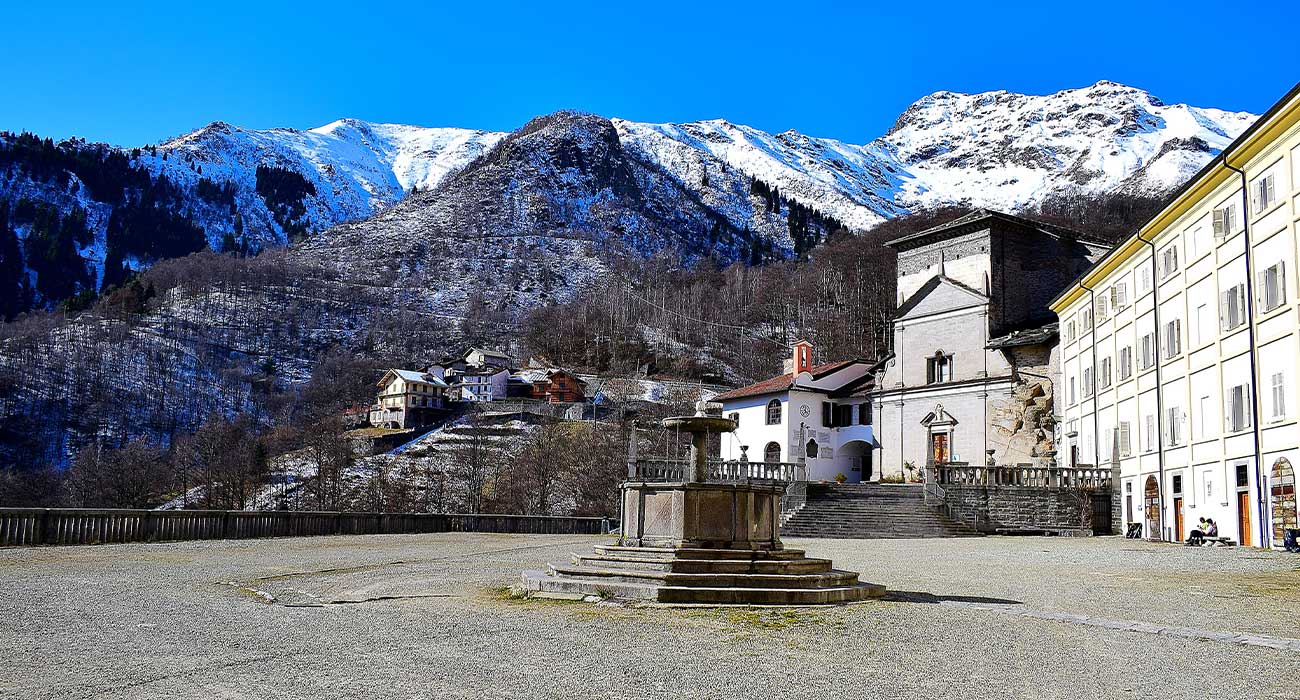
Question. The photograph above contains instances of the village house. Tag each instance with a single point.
(970, 376)
(478, 385)
(816, 412)
(553, 385)
(1181, 348)
(482, 358)
(408, 399)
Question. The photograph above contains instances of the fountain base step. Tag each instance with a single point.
(702, 576)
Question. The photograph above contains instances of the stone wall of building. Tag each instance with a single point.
(1066, 511)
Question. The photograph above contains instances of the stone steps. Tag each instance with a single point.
(701, 576)
(869, 511)
(826, 579)
(705, 566)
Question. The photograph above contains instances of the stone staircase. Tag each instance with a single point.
(870, 511)
(700, 576)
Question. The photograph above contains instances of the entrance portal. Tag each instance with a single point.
(1281, 483)
(939, 448)
(1151, 496)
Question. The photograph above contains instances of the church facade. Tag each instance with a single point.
(971, 377)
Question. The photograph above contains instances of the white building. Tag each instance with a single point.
(969, 378)
(1181, 348)
(483, 358)
(479, 385)
(819, 412)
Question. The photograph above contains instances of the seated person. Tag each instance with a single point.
(1197, 537)
(1211, 529)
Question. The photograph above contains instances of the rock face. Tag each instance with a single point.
(1022, 426)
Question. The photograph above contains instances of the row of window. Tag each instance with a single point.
(1232, 304)
(833, 416)
(1237, 418)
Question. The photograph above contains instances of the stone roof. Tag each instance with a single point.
(981, 216)
(1030, 336)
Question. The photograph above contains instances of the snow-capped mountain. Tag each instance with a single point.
(355, 168)
(999, 150)
(226, 186)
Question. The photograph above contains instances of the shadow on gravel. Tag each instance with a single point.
(932, 599)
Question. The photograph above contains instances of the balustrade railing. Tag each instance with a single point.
(1040, 476)
(65, 526)
(720, 472)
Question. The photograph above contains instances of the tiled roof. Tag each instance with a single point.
(782, 382)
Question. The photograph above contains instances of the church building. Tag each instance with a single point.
(971, 378)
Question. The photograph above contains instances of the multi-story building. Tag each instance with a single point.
(407, 399)
(968, 380)
(487, 384)
(1180, 349)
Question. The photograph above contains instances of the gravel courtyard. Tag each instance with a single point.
(425, 616)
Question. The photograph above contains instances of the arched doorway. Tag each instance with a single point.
(1281, 482)
(853, 460)
(1151, 498)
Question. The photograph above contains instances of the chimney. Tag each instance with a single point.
(801, 357)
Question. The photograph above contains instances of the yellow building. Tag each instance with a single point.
(1180, 349)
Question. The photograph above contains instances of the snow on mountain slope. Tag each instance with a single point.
(357, 168)
(999, 150)
(1005, 151)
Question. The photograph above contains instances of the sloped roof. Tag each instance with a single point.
(782, 382)
(980, 216)
(1029, 336)
(410, 375)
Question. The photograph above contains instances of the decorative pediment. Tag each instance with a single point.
(938, 295)
(938, 417)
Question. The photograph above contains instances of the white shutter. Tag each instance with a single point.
(1220, 223)
(1125, 446)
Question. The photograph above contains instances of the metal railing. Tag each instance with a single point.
(1082, 477)
(66, 526)
(720, 472)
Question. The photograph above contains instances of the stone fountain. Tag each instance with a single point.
(695, 532)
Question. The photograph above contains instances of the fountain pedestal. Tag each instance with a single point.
(714, 516)
(692, 540)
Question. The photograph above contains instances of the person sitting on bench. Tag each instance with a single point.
(1212, 529)
(1197, 537)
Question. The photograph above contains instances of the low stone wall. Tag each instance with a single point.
(68, 526)
(1065, 511)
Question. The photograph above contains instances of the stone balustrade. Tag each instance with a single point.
(654, 469)
(68, 526)
(1027, 475)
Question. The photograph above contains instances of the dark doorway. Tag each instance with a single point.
(1151, 496)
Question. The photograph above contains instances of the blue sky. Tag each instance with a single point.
(139, 74)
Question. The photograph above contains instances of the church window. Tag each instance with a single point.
(774, 412)
(772, 452)
(938, 368)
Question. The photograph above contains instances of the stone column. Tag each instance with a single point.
(699, 457)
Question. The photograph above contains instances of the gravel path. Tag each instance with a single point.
(423, 616)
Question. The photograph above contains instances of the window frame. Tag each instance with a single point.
(780, 412)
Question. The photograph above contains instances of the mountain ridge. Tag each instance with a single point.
(248, 189)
